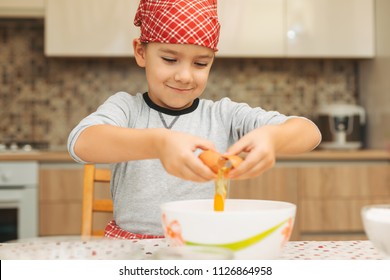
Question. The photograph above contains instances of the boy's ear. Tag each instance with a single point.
(139, 52)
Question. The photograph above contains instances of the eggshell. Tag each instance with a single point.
(235, 160)
(212, 159)
(215, 160)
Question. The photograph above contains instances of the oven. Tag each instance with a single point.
(18, 200)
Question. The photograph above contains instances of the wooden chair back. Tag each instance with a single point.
(91, 205)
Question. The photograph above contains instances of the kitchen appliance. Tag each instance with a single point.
(18, 200)
(342, 126)
(22, 146)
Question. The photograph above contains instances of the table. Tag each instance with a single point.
(331, 250)
(146, 249)
(301, 250)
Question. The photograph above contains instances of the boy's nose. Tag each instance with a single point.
(183, 74)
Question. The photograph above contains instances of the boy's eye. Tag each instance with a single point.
(168, 59)
(201, 64)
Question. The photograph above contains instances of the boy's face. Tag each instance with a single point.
(176, 74)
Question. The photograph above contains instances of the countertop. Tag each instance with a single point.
(348, 155)
(40, 156)
(316, 155)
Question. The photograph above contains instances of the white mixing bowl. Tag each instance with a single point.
(252, 229)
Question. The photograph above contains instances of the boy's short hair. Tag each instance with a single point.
(179, 22)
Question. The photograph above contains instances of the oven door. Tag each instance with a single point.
(18, 213)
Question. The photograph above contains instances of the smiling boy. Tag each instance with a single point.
(152, 139)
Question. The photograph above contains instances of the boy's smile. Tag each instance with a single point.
(176, 74)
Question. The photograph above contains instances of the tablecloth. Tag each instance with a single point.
(72, 248)
(301, 250)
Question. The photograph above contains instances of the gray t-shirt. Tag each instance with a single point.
(138, 188)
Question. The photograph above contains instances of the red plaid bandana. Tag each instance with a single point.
(179, 22)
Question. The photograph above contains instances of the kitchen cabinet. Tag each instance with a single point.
(60, 199)
(331, 198)
(90, 28)
(22, 8)
(251, 28)
(297, 28)
(330, 28)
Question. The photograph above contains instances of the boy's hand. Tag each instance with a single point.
(295, 135)
(176, 153)
(260, 154)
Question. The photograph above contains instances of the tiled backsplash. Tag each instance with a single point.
(42, 99)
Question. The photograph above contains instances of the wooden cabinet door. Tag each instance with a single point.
(331, 197)
(60, 200)
(330, 28)
(60, 197)
(251, 28)
(278, 183)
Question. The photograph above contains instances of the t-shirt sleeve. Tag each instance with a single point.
(116, 110)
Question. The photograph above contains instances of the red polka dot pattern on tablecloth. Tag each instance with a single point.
(330, 250)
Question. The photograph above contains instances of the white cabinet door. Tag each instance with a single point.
(251, 28)
(22, 8)
(330, 28)
(90, 27)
